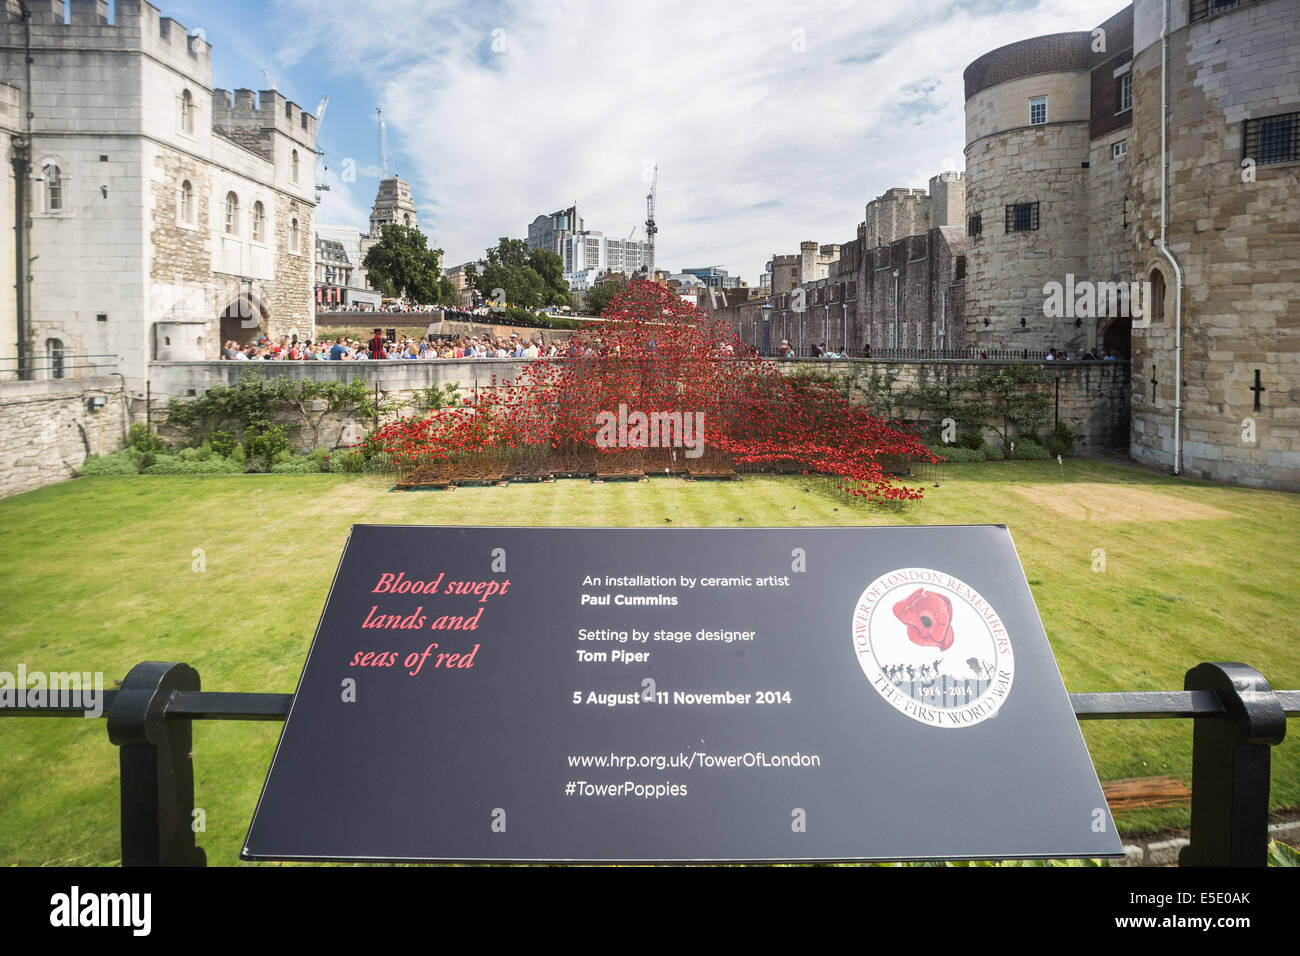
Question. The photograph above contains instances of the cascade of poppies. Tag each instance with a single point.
(660, 356)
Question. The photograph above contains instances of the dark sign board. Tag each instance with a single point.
(695, 694)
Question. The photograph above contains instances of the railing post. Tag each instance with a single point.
(1230, 767)
(157, 767)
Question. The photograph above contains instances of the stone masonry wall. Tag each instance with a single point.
(1237, 240)
(47, 429)
(1090, 397)
(288, 299)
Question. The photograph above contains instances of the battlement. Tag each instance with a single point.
(136, 25)
(265, 110)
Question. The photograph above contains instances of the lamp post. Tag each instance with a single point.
(767, 319)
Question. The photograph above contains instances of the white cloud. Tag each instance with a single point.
(759, 145)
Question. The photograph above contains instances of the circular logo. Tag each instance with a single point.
(933, 647)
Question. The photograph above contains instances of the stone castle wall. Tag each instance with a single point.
(1090, 397)
(47, 429)
(1237, 242)
(1010, 162)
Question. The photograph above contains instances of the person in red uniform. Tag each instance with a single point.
(376, 345)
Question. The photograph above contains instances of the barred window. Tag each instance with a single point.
(1200, 9)
(1272, 139)
(974, 225)
(1022, 217)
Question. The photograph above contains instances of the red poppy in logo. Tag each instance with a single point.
(928, 617)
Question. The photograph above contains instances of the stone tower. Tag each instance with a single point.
(394, 205)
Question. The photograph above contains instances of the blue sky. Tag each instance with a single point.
(772, 121)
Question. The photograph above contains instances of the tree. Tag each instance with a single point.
(447, 294)
(598, 297)
(525, 277)
(402, 264)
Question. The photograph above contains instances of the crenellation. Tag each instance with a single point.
(88, 12)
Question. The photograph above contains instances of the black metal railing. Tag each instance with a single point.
(57, 365)
(1237, 719)
(922, 354)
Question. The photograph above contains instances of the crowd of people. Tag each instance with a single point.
(379, 347)
(1088, 355)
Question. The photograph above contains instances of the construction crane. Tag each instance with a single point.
(650, 227)
(320, 118)
(383, 145)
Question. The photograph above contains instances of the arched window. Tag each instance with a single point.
(293, 235)
(186, 203)
(259, 222)
(53, 187)
(1157, 303)
(187, 112)
(54, 357)
(232, 214)
(293, 166)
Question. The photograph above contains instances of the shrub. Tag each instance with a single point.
(1027, 450)
(1060, 441)
(237, 455)
(125, 462)
(257, 465)
(143, 440)
(319, 456)
(971, 440)
(342, 461)
(178, 465)
(992, 452)
(957, 454)
(272, 439)
(221, 442)
(296, 465)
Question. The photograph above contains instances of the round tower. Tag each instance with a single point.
(1027, 148)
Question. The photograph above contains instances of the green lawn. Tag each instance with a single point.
(96, 574)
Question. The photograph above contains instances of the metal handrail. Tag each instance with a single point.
(1237, 719)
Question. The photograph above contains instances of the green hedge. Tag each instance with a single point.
(296, 465)
(1031, 451)
(125, 462)
(176, 465)
(957, 454)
